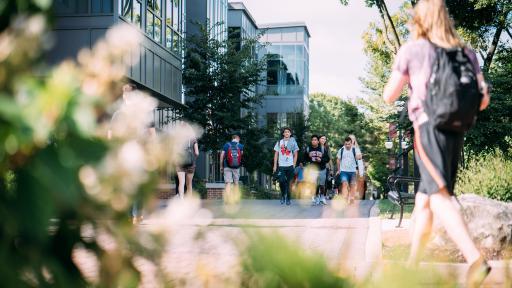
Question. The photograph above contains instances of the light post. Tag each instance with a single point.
(391, 160)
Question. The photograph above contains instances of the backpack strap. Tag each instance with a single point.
(355, 159)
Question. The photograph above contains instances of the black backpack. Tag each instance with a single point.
(453, 98)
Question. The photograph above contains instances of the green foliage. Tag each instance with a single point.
(337, 118)
(494, 124)
(387, 207)
(271, 260)
(220, 82)
(488, 174)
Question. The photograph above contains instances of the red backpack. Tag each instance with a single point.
(234, 156)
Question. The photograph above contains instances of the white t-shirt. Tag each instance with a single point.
(348, 163)
(285, 150)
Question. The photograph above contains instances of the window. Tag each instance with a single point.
(286, 67)
(131, 10)
(272, 120)
(163, 21)
(154, 20)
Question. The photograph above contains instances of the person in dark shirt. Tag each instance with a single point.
(316, 157)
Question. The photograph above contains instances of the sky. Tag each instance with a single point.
(337, 60)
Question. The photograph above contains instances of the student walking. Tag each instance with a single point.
(146, 131)
(187, 168)
(436, 58)
(286, 151)
(316, 158)
(231, 161)
(347, 166)
(360, 179)
(328, 167)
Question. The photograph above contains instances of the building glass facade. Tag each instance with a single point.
(162, 20)
(217, 13)
(287, 69)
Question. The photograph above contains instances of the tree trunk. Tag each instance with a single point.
(493, 47)
(508, 32)
(382, 5)
(386, 36)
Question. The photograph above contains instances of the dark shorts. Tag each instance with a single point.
(188, 169)
(438, 154)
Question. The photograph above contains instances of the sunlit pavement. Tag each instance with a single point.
(336, 231)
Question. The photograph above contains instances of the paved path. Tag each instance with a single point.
(336, 231)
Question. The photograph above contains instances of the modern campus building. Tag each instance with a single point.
(165, 26)
(209, 13)
(157, 68)
(286, 85)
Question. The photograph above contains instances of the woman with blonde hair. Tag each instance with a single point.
(438, 150)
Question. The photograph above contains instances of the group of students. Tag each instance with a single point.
(316, 168)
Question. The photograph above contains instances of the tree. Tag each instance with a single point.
(494, 126)
(482, 22)
(337, 118)
(220, 82)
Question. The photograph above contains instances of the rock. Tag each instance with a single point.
(489, 223)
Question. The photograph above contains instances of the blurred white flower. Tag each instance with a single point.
(87, 262)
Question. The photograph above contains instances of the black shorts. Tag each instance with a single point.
(438, 154)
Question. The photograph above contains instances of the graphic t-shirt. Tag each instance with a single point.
(348, 163)
(226, 149)
(316, 156)
(285, 149)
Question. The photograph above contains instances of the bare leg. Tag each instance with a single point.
(190, 176)
(451, 218)
(344, 191)
(353, 193)
(181, 184)
(422, 227)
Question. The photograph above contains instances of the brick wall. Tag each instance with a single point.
(166, 191)
(214, 190)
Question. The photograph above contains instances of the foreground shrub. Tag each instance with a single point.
(488, 175)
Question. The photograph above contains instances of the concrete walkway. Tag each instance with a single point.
(340, 233)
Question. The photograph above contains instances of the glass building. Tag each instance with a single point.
(286, 84)
(211, 13)
(157, 69)
(241, 24)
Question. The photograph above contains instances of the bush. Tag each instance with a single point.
(489, 175)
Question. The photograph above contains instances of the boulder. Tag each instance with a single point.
(489, 223)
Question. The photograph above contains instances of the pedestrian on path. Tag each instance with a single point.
(286, 151)
(439, 142)
(187, 167)
(328, 167)
(360, 178)
(316, 158)
(347, 166)
(231, 161)
(144, 132)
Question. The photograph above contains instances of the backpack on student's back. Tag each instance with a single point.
(453, 98)
(234, 156)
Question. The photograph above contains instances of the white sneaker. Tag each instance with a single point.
(322, 199)
(314, 200)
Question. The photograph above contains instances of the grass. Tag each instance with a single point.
(386, 207)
